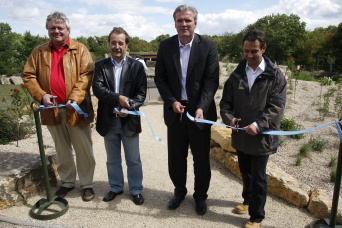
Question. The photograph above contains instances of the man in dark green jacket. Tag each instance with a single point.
(254, 98)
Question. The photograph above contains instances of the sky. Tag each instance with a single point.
(147, 19)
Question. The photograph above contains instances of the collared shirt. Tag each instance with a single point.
(117, 73)
(184, 51)
(57, 79)
(252, 75)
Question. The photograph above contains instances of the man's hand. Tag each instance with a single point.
(252, 129)
(235, 123)
(123, 114)
(48, 100)
(199, 114)
(71, 101)
(178, 107)
(124, 101)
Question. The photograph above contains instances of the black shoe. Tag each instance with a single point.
(88, 194)
(111, 195)
(175, 202)
(138, 199)
(63, 191)
(201, 207)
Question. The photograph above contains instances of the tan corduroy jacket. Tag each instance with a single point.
(78, 72)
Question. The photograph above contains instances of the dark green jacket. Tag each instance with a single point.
(264, 104)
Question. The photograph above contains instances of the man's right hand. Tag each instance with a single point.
(48, 100)
(178, 107)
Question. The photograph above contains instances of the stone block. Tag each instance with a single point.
(286, 186)
(17, 80)
(4, 80)
(320, 205)
(280, 183)
(222, 136)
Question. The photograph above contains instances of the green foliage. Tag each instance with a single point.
(12, 126)
(290, 125)
(333, 175)
(303, 75)
(304, 150)
(333, 162)
(326, 80)
(283, 33)
(316, 144)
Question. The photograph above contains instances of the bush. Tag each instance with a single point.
(303, 75)
(8, 127)
(316, 144)
(290, 125)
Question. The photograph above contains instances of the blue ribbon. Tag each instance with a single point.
(269, 132)
(138, 113)
(75, 106)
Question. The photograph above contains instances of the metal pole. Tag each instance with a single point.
(41, 149)
(337, 187)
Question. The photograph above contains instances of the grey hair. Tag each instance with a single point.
(58, 17)
(183, 8)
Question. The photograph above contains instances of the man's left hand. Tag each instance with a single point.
(252, 129)
(199, 114)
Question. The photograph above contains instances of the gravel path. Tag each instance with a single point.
(224, 194)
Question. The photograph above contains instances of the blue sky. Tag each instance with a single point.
(149, 19)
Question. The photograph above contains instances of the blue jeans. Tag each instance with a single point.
(114, 163)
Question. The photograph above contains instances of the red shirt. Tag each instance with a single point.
(57, 80)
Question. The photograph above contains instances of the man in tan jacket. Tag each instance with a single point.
(58, 72)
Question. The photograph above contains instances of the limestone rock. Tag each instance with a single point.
(320, 205)
(286, 186)
(222, 136)
(17, 80)
(227, 158)
(279, 182)
(4, 80)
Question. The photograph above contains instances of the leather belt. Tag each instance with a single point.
(184, 102)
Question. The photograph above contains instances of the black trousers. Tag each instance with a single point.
(180, 136)
(254, 193)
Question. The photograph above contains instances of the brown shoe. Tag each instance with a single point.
(241, 209)
(62, 191)
(253, 224)
(88, 194)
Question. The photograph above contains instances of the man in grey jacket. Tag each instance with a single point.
(254, 98)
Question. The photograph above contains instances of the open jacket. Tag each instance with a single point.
(133, 84)
(264, 104)
(78, 73)
(202, 79)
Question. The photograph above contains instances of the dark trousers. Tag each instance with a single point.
(180, 136)
(254, 193)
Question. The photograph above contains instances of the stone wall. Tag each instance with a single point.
(318, 202)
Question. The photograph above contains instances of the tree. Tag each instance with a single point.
(9, 50)
(138, 45)
(283, 35)
(337, 43)
(155, 43)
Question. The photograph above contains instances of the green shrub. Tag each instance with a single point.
(298, 160)
(316, 144)
(303, 75)
(290, 125)
(333, 175)
(333, 162)
(304, 150)
(8, 127)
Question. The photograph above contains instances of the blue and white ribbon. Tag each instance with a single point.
(269, 132)
(75, 106)
(138, 113)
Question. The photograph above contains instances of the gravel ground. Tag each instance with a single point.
(224, 193)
